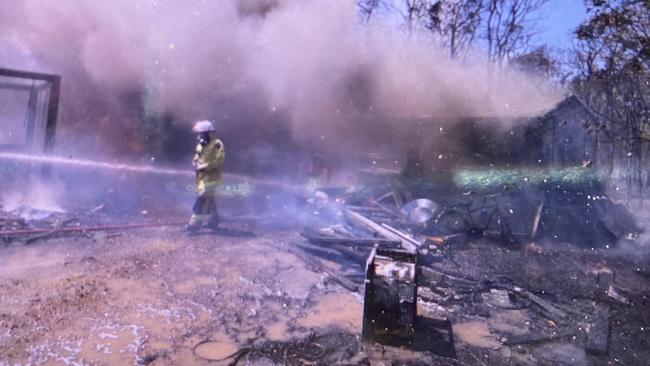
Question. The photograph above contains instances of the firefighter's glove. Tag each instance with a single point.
(200, 167)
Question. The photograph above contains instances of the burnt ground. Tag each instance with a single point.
(155, 295)
(566, 277)
(161, 297)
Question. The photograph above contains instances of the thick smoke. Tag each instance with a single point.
(301, 72)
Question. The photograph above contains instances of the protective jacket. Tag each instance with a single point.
(208, 163)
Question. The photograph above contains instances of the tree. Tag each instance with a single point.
(367, 8)
(456, 22)
(623, 29)
(613, 75)
(539, 62)
(507, 28)
(414, 13)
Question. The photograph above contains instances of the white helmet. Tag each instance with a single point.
(203, 126)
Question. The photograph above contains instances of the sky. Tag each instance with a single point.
(558, 19)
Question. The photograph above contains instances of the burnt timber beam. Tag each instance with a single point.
(24, 87)
(52, 113)
(28, 75)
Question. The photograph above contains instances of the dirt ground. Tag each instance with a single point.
(161, 297)
(158, 296)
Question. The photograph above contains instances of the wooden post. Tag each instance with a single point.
(52, 114)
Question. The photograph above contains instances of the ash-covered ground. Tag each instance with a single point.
(252, 294)
(157, 295)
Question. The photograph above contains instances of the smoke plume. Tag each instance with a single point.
(298, 72)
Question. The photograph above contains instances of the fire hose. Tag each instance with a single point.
(67, 229)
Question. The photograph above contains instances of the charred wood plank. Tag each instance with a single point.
(334, 253)
(374, 227)
(367, 242)
(318, 266)
(402, 235)
(549, 308)
(438, 276)
(359, 253)
(535, 338)
(598, 336)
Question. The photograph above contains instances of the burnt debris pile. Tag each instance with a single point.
(433, 254)
(514, 207)
(28, 224)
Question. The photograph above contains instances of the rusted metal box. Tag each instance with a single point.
(389, 309)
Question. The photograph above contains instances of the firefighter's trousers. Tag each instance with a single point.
(204, 211)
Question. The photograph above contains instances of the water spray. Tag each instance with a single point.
(145, 169)
(91, 164)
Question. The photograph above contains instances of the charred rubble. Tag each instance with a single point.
(400, 238)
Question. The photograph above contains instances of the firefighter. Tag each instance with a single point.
(208, 164)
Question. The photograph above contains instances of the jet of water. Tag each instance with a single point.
(59, 160)
(91, 163)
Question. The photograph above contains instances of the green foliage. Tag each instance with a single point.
(489, 178)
